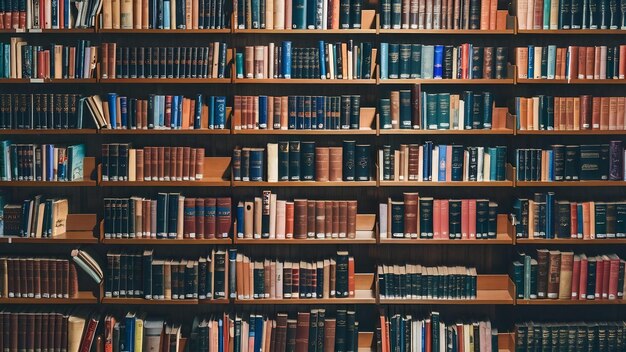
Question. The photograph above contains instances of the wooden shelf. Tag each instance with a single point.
(83, 297)
(572, 133)
(61, 31)
(163, 131)
(166, 241)
(570, 241)
(364, 293)
(570, 183)
(504, 236)
(304, 184)
(447, 81)
(142, 301)
(47, 81)
(166, 81)
(506, 342)
(49, 132)
(79, 231)
(572, 31)
(305, 31)
(502, 131)
(47, 183)
(447, 31)
(566, 302)
(490, 289)
(165, 31)
(308, 132)
(571, 81)
(303, 81)
(507, 183)
(310, 241)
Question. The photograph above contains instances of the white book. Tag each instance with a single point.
(434, 170)
(461, 114)
(537, 72)
(270, 73)
(420, 162)
(273, 215)
(279, 14)
(132, 165)
(324, 14)
(380, 162)
(272, 162)
(280, 219)
(465, 165)
(487, 167)
(382, 211)
(279, 279)
(536, 113)
(331, 60)
(480, 162)
(530, 14)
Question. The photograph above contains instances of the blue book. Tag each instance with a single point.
(259, 332)
(54, 7)
(493, 166)
(256, 164)
(262, 112)
(567, 67)
(548, 229)
(292, 105)
(49, 152)
(384, 57)
(442, 162)
(286, 65)
(75, 157)
(552, 61)
(211, 112)
(166, 15)
(174, 118)
(311, 13)
(308, 105)
(66, 13)
(427, 157)
(322, 56)
(579, 219)
(256, 14)
(220, 336)
(300, 112)
(531, 61)
(220, 112)
(438, 62)
(197, 118)
(320, 104)
(550, 165)
(112, 98)
(240, 220)
(298, 14)
(130, 332)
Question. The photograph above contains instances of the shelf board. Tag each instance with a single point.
(504, 131)
(48, 132)
(573, 241)
(447, 81)
(303, 81)
(47, 81)
(319, 301)
(305, 31)
(165, 31)
(142, 301)
(202, 183)
(548, 302)
(574, 133)
(88, 183)
(570, 183)
(61, 30)
(501, 238)
(446, 184)
(83, 297)
(165, 241)
(166, 80)
(490, 289)
(260, 242)
(307, 132)
(447, 31)
(571, 81)
(163, 131)
(73, 237)
(304, 184)
(571, 31)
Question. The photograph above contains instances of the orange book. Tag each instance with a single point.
(622, 61)
(236, 123)
(589, 61)
(569, 113)
(573, 64)
(559, 63)
(613, 113)
(444, 222)
(144, 14)
(563, 60)
(604, 113)
(437, 219)
(576, 120)
(523, 113)
(621, 111)
(529, 112)
(351, 279)
(597, 62)
(449, 163)
(559, 121)
(582, 63)
(137, 14)
(186, 114)
(586, 221)
(493, 15)
(284, 112)
(289, 220)
(485, 5)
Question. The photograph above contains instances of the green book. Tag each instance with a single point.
(298, 14)
(443, 111)
(432, 121)
(394, 61)
(397, 219)
(405, 110)
(405, 60)
(384, 114)
(416, 61)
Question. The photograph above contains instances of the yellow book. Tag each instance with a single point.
(139, 333)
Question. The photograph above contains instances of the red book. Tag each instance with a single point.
(189, 224)
(460, 338)
(168, 111)
(289, 219)
(383, 334)
(622, 61)
(210, 206)
(351, 281)
(613, 276)
(223, 217)
(302, 332)
(606, 276)
(576, 277)
(7, 20)
(90, 332)
(437, 219)
(199, 218)
(465, 218)
(573, 220)
(428, 333)
(582, 288)
(444, 222)
(599, 277)
(472, 219)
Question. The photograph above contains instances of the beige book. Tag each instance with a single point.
(173, 14)
(189, 15)
(139, 332)
(137, 13)
(126, 14)
(247, 276)
(405, 164)
(15, 55)
(269, 17)
(270, 73)
(535, 109)
(279, 279)
(167, 278)
(576, 113)
(592, 220)
(567, 268)
(216, 51)
(115, 11)
(239, 277)
(279, 14)
(75, 327)
(248, 231)
(273, 215)
(144, 14)
(331, 71)
(258, 208)
(272, 273)
(181, 217)
(107, 19)
(344, 59)
(530, 15)
(195, 11)
(132, 164)
(486, 167)
(60, 209)
(272, 162)
(554, 14)
(138, 216)
(396, 166)
(39, 225)
(280, 219)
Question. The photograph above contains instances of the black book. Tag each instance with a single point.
(559, 162)
(294, 160)
(307, 164)
(576, 14)
(604, 14)
(340, 330)
(564, 15)
(341, 275)
(355, 112)
(363, 164)
(394, 61)
(345, 112)
(349, 150)
(344, 14)
(454, 225)
(477, 59)
(426, 217)
(572, 162)
(473, 164)
(474, 14)
(563, 229)
(590, 162)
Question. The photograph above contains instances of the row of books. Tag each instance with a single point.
(21, 60)
(583, 112)
(399, 332)
(428, 218)
(299, 14)
(297, 112)
(164, 62)
(269, 218)
(414, 281)
(43, 329)
(341, 60)
(442, 163)
(562, 275)
(169, 216)
(572, 163)
(27, 277)
(40, 111)
(577, 14)
(425, 14)
(41, 162)
(174, 112)
(421, 61)
(577, 336)
(544, 216)
(573, 62)
(275, 279)
(141, 275)
(63, 14)
(189, 14)
(121, 162)
(38, 217)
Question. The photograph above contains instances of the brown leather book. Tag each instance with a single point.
(343, 218)
(322, 164)
(589, 62)
(576, 117)
(335, 172)
(569, 113)
(328, 218)
(595, 113)
(410, 214)
(604, 113)
(582, 62)
(521, 60)
(554, 267)
(329, 334)
(199, 165)
(210, 222)
(300, 218)
(484, 14)
(112, 72)
(405, 18)
(622, 62)
(237, 112)
(281, 332)
(186, 162)
(320, 219)
(562, 59)
(488, 61)
(585, 112)
(566, 269)
(289, 219)
(284, 112)
(161, 163)
(310, 219)
(621, 111)
(192, 163)
(147, 164)
(173, 164)
(105, 60)
(336, 215)
(179, 163)
(249, 62)
(166, 163)
(613, 113)
(597, 62)
(542, 273)
(573, 65)
(351, 219)
(413, 164)
(416, 93)
(73, 281)
(36, 278)
(395, 109)
(302, 332)
(223, 217)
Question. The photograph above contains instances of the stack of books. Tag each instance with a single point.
(38, 217)
(414, 281)
(41, 162)
(577, 14)
(63, 14)
(577, 335)
(38, 277)
(41, 111)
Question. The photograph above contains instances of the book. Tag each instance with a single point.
(414, 281)
(46, 162)
(57, 278)
(569, 15)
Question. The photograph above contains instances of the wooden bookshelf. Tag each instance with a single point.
(47, 81)
(304, 184)
(215, 169)
(303, 81)
(89, 164)
(367, 342)
(504, 236)
(83, 297)
(507, 183)
(164, 31)
(166, 81)
(570, 183)
(571, 241)
(432, 81)
(572, 81)
(202, 131)
(509, 29)
(573, 133)
(61, 31)
(142, 301)
(569, 302)
(79, 231)
(490, 289)
(84, 131)
(506, 342)
(369, 26)
(364, 293)
(572, 31)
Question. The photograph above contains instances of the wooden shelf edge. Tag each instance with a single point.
(165, 241)
(570, 241)
(548, 302)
